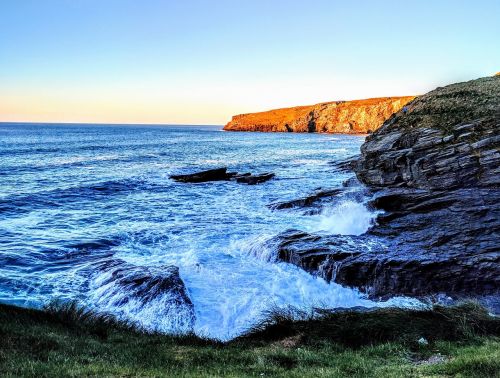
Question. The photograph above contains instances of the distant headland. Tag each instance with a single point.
(346, 117)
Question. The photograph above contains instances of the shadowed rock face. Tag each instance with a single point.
(346, 117)
(120, 285)
(436, 168)
(145, 283)
(439, 243)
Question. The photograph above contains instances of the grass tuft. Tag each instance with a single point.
(76, 317)
(355, 328)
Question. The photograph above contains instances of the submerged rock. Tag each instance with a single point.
(438, 163)
(254, 179)
(145, 283)
(221, 174)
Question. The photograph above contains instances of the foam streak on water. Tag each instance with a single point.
(73, 197)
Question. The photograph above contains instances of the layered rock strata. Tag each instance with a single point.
(347, 117)
(435, 169)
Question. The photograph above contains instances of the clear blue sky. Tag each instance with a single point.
(200, 62)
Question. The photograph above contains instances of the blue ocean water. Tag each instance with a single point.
(72, 196)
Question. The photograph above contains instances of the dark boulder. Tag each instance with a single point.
(144, 286)
(219, 174)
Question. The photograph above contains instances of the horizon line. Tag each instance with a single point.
(108, 124)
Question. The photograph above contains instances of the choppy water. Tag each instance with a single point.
(75, 195)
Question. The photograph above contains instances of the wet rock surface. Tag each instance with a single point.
(122, 284)
(435, 169)
(445, 243)
(307, 201)
(316, 202)
(254, 179)
(145, 283)
(221, 174)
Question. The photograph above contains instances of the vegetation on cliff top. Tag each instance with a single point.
(445, 107)
(73, 342)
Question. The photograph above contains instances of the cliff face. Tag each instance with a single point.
(347, 117)
(444, 139)
(435, 171)
(438, 163)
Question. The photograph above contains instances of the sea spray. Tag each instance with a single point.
(153, 298)
(262, 247)
(345, 218)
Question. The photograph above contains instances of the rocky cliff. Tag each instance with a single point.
(348, 117)
(444, 139)
(434, 169)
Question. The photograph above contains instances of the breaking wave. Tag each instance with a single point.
(346, 218)
(88, 213)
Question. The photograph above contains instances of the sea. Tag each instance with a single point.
(74, 196)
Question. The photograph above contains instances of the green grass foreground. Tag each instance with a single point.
(463, 341)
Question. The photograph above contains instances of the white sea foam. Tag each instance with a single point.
(216, 233)
(165, 313)
(232, 286)
(233, 294)
(345, 218)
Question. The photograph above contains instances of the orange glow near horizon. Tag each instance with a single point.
(201, 62)
(204, 102)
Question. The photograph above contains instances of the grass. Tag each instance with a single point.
(69, 341)
(459, 103)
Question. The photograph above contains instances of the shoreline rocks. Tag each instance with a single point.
(125, 288)
(417, 249)
(308, 201)
(436, 168)
(346, 117)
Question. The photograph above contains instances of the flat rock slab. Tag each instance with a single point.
(307, 201)
(221, 174)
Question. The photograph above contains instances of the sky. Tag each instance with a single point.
(200, 62)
